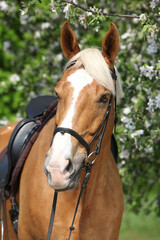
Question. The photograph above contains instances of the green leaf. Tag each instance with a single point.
(145, 28)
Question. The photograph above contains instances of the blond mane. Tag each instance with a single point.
(97, 68)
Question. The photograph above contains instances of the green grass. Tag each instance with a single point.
(140, 227)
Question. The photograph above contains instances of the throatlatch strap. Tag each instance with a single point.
(52, 215)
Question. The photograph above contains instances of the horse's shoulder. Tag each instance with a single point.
(7, 129)
(5, 133)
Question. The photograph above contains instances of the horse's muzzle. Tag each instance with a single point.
(63, 179)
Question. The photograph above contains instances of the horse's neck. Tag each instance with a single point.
(102, 203)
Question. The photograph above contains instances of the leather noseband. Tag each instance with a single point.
(74, 134)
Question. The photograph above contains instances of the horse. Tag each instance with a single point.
(57, 161)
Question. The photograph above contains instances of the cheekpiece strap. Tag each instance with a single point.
(113, 74)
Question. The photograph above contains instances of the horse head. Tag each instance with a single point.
(84, 93)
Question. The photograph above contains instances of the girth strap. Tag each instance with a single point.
(74, 134)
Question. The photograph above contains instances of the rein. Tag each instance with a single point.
(88, 164)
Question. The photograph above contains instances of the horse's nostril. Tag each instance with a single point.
(69, 167)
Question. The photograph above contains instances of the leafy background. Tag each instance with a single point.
(31, 62)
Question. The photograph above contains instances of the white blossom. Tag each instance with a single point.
(37, 34)
(14, 78)
(6, 45)
(3, 6)
(44, 75)
(134, 99)
(153, 46)
(127, 110)
(4, 121)
(3, 83)
(150, 104)
(52, 7)
(18, 116)
(94, 9)
(22, 11)
(23, 19)
(96, 29)
(142, 17)
(137, 133)
(147, 124)
(66, 9)
(153, 103)
(123, 47)
(148, 150)
(153, 4)
(138, 87)
(60, 56)
(124, 154)
(125, 35)
(128, 123)
(147, 71)
(89, 14)
(128, 34)
(45, 25)
(151, 49)
(157, 101)
(82, 20)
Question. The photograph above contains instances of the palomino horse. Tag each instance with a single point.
(86, 92)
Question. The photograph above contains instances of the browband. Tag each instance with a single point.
(112, 72)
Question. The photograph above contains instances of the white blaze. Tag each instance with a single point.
(62, 146)
(78, 81)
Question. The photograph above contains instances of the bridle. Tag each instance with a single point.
(81, 139)
(87, 146)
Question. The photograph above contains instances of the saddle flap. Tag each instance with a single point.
(19, 138)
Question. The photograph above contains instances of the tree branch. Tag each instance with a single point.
(101, 13)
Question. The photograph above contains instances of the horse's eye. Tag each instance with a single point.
(103, 98)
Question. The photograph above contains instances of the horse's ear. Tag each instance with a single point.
(110, 45)
(68, 41)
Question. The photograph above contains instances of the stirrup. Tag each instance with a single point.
(2, 212)
(14, 213)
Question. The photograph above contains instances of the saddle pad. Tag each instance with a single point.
(37, 106)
